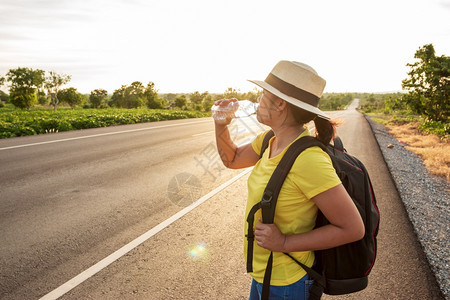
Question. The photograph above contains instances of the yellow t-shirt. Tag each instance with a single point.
(311, 174)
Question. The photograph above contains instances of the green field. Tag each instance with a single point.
(16, 122)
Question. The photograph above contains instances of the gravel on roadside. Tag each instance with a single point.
(426, 200)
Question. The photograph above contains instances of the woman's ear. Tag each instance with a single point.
(281, 105)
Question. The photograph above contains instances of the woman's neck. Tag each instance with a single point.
(284, 135)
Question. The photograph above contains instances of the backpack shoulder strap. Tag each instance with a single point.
(270, 195)
(265, 143)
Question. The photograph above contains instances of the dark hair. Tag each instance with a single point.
(325, 129)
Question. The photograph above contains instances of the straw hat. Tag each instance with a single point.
(296, 83)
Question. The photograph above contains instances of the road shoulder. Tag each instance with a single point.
(426, 201)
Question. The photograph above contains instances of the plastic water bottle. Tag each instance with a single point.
(236, 109)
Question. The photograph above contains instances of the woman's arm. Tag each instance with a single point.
(232, 156)
(345, 226)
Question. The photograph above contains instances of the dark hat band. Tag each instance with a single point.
(292, 91)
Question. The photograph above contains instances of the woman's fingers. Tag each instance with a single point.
(224, 102)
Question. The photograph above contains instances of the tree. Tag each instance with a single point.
(231, 93)
(25, 78)
(151, 96)
(252, 95)
(3, 96)
(207, 103)
(180, 101)
(22, 99)
(129, 96)
(197, 98)
(135, 95)
(42, 97)
(98, 98)
(70, 96)
(2, 80)
(23, 85)
(118, 97)
(53, 83)
(170, 97)
(429, 84)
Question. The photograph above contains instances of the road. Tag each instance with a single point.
(64, 194)
(68, 200)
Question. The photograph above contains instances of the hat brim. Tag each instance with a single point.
(290, 99)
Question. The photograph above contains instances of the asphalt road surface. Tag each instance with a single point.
(68, 200)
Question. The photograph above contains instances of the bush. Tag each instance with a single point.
(23, 99)
(442, 129)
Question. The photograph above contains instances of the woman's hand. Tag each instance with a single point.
(232, 156)
(269, 237)
(227, 116)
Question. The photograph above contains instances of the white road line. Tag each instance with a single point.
(100, 134)
(72, 283)
(203, 133)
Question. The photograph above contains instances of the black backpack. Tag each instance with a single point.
(339, 270)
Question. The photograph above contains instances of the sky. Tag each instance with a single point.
(211, 45)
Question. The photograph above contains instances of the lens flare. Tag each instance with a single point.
(199, 251)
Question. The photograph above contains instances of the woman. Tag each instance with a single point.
(289, 100)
